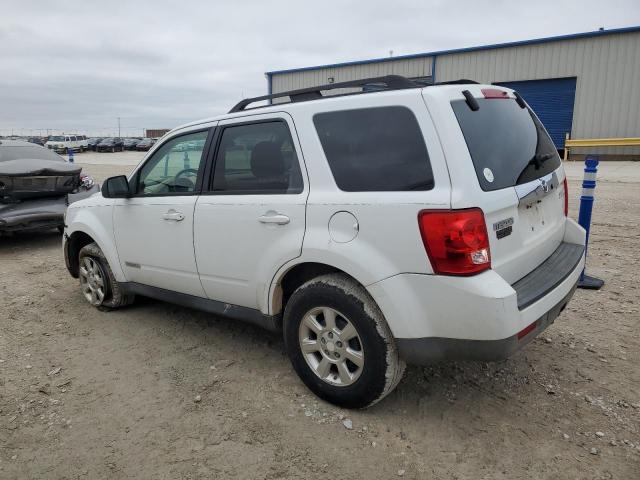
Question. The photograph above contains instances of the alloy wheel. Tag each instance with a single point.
(92, 281)
(331, 346)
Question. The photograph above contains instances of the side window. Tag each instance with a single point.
(67, 139)
(73, 139)
(257, 158)
(375, 149)
(173, 169)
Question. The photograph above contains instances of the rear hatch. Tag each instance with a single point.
(33, 178)
(520, 175)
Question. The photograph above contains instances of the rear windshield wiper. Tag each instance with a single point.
(539, 158)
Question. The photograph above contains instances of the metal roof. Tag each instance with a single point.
(596, 33)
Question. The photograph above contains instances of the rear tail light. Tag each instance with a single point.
(456, 241)
(566, 197)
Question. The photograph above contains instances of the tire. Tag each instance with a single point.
(373, 344)
(112, 295)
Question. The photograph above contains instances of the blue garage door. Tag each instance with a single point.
(552, 100)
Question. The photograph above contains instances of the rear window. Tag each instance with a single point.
(375, 149)
(508, 144)
(21, 152)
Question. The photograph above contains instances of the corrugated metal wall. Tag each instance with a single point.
(607, 68)
(416, 67)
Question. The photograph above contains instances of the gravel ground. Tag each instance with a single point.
(160, 391)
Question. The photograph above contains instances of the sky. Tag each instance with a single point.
(77, 66)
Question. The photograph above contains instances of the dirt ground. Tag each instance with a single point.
(86, 394)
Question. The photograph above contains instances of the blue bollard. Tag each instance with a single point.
(70, 153)
(584, 217)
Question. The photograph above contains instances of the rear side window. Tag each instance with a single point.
(375, 149)
(508, 144)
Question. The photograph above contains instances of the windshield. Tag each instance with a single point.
(17, 153)
(106, 140)
(56, 139)
(508, 144)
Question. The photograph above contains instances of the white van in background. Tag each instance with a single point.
(62, 143)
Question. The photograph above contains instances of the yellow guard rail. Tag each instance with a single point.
(598, 142)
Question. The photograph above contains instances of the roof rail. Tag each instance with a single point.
(462, 81)
(392, 82)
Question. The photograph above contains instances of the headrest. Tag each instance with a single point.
(267, 160)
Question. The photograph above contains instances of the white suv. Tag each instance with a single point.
(409, 223)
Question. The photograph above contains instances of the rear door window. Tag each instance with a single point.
(257, 158)
(508, 144)
(375, 149)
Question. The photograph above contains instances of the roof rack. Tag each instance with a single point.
(392, 82)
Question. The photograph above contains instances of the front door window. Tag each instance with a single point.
(174, 168)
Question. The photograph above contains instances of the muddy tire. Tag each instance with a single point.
(97, 282)
(339, 342)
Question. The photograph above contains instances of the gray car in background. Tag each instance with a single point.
(36, 186)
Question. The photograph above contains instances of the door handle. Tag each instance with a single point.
(274, 217)
(172, 215)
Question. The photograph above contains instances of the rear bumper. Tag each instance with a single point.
(41, 213)
(423, 351)
(437, 317)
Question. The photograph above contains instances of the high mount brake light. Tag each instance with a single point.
(456, 241)
(494, 93)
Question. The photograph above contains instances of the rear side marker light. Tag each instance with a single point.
(527, 330)
(494, 93)
(566, 197)
(456, 241)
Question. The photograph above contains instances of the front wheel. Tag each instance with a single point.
(339, 342)
(97, 281)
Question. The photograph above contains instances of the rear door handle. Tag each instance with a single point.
(274, 217)
(174, 216)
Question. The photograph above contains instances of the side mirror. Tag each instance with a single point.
(116, 187)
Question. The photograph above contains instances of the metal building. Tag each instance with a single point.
(156, 132)
(584, 84)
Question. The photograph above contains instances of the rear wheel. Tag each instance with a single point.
(97, 282)
(339, 342)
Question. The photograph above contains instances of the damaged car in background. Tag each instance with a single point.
(36, 186)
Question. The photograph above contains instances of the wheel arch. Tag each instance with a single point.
(72, 247)
(289, 278)
(80, 230)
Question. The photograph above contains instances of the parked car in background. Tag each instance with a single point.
(36, 186)
(145, 144)
(111, 144)
(83, 144)
(130, 143)
(36, 141)
(62, 143)
(423, 224)
(93, 142)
